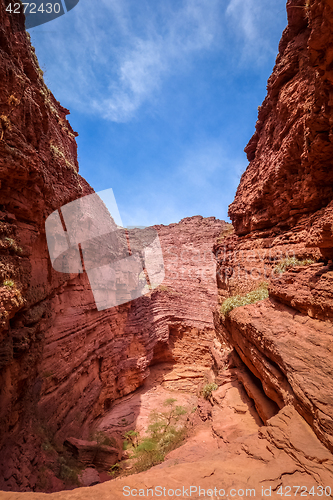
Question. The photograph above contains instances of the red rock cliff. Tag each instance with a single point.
(62, 362)
(290, 172)
(282, 216)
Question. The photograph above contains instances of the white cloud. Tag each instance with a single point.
(112, 59)
(139, 74)
(201, 183)
(244, 14)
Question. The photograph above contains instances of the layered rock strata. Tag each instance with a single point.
(282, 214)
(62, 362)
(290, 171)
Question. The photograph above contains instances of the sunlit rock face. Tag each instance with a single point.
(64, 365)
(290, 173)
(283, 213)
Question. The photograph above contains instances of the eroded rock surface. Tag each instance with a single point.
(282, 215)
(290, 173)
(229, 453)
(66, 367)
(62, 362)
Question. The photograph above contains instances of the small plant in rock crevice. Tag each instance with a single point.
(227, 232)
(290, 262)
(208, 389)
(114, 469)
(12, 245)
(9, 283)
(260, 293)
(57, 153)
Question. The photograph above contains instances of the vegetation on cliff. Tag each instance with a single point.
(260, 293)
(165, 432)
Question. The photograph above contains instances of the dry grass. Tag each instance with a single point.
(5, 124)
(227, 232)
(13, 101)
(59, 154)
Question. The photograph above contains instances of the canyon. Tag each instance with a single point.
(68, 370)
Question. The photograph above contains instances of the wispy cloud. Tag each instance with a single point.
(111, 65)
(244, 14)
(202, 182)
(252, 20)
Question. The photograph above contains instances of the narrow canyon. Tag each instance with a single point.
(245, 308)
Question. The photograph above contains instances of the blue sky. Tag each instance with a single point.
(164, 96)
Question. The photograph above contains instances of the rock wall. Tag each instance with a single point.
(290, 173)
(62, 362)
(282, 211)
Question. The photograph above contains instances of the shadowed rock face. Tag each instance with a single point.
(62, 362)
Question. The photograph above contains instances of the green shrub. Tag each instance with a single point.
(207, 390)
(103, 439)
(289, 262)
(131, 438)
(9, 283)
(114, 469)
(164, 435)
(231, 303)
(42, 479)
(68, 470)
(66, 473)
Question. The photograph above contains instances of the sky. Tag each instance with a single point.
(164, 95)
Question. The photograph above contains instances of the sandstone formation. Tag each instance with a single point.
(68, 370)
(93, 453)
(62, 362)
(239, 458)
(283, 213)
(290, 174)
